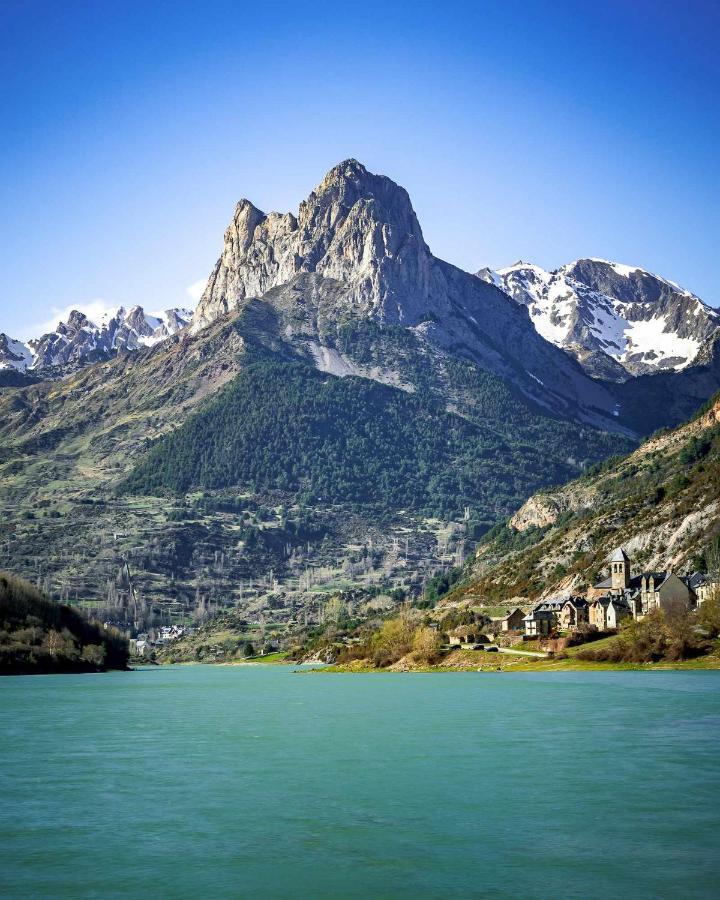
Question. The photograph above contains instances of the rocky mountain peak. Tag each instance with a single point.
(347, 170)
(356, 227)
(79, 340)
(76, 321)
(616, 320)
(350, 183)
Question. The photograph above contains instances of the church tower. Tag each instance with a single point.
(620, 570)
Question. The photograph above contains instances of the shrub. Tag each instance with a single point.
(659, 636)
(426, 645)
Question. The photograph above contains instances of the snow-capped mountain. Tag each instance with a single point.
(617, 320)
(79, 340)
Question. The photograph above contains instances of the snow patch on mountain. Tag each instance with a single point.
(656, 336)
(639, 320)
(77, 339)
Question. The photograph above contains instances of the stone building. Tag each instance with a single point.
(512, 620)
(704, 586)
(606, 613)
(543, 617)
(573, 614)
(644, 592)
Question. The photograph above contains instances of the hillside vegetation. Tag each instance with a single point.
(285, 426)
(38, 635)
(200, 462)
(661, 503)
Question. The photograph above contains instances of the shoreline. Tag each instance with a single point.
(706, 663)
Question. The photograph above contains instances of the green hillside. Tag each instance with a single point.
(285, 426)
(661, 503)
(38, 635)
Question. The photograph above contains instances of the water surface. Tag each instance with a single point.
(221, 782)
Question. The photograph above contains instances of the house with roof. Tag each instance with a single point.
(704, 586)
(512, 620)
(665, 591)
(644, 592)
(543, 617)
(573, 614)
(538, 622)
(467, 636)
(607, 613)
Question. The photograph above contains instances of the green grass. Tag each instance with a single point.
(269, 658)
(474, 661)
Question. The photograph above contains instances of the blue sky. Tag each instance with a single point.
(543, 131)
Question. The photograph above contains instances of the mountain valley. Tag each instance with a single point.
(343, 412)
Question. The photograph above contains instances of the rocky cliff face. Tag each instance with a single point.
(616, 320)
(355, 252)
(79, 340)
(356, 228)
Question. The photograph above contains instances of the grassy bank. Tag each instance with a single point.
(480, 661)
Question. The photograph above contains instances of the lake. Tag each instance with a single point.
(214, 781)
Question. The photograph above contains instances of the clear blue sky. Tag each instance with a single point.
(536, 130)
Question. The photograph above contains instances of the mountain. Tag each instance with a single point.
(355, 253)
(617, 320)
(360, 421)
(79, 340)
(14, 354)
(661, 503)
(344, 408)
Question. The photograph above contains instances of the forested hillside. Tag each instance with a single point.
(282, 426)
(38, 635)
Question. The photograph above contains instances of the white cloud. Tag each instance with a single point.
(196, 289)
(95, 310)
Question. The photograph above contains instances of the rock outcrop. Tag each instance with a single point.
(356, 228)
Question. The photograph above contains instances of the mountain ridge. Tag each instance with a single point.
(80, 340)
(617, 320)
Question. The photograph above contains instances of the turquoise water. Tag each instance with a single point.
(255, 781)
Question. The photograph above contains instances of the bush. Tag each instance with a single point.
(659, 636)
(426, 645)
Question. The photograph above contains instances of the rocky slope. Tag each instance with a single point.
(355, 251)
(617, 320)
(79, 340)
(661, 503)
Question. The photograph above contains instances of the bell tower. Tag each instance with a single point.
(620, 570)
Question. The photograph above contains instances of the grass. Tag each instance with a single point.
(478, 661)
(268, 659)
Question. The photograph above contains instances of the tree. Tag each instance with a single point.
(395, 638)
(336, 610)
(709, 613)
(94, 654)
(426, 644)
(60, 643)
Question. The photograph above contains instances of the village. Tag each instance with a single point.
(544, 629)
(619, 597)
